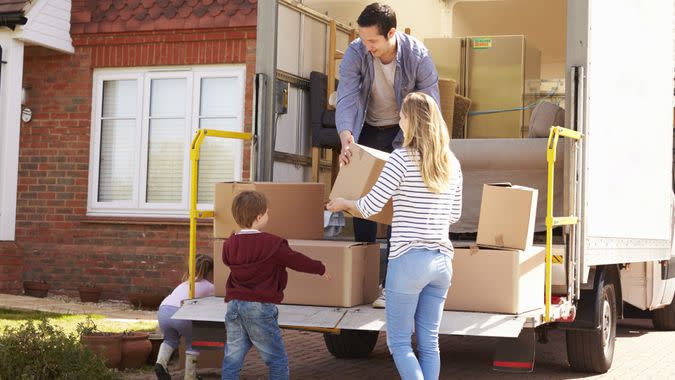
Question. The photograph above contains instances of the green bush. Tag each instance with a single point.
(40, 351)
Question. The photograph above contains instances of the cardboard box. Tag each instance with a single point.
(507, 216)
(356, 179)
(497, 281)
(301, 204)
(354, 268)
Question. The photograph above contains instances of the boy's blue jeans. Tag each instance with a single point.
(417, 284)
(253, 324)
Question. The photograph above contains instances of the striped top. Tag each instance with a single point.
(422, 219)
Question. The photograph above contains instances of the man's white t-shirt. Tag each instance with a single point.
(382, 106)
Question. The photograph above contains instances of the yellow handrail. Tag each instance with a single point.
(551, 222)
(194, 178)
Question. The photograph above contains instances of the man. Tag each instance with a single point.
(377, 71)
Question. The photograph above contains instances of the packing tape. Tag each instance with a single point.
(499, 240)
(473, 249)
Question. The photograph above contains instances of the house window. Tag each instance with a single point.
(143, 122)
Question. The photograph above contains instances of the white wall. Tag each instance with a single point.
(10, 112)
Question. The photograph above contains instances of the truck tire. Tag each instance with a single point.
(351, 343)
(593, 350)
(664, 319)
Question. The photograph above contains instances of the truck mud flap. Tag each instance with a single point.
(208, 335)
(515, 355)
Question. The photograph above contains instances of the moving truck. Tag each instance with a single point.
(615, 62)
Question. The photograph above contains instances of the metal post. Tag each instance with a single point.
(265, 67)
(194, 188)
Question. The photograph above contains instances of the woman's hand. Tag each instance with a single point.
(341, 204)
(338, 204)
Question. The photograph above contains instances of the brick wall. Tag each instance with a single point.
(57, 241)
(11, 266)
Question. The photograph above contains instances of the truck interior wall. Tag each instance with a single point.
(426, 18)
(302, 47)
(542, 22)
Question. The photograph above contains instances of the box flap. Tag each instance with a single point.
(372, 151)
(500, 184)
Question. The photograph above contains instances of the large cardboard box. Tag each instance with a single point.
(507, 216)
(295, 209)
(497, 281)
(357, 178)
(354, 268)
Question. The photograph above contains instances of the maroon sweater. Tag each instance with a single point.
(258, 263)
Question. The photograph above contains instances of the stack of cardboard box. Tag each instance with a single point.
(296, 213)
(504, 272)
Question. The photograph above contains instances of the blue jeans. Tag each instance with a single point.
(417, 284)
(253, 324)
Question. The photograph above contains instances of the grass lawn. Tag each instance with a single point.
(68, 322)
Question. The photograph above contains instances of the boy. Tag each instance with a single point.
(258, 277)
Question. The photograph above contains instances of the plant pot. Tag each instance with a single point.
(145, 301)
(135, 349)
(89, 294)
(35, 288)
(156, 341)
(108, 346)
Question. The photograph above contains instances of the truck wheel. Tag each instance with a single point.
(351, 343)
(593, 350)
(664, 319)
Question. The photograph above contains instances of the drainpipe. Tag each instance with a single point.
(11, 20)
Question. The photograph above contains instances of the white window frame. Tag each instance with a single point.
(137, 206)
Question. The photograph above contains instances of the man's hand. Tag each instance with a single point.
(326, 276)
(346, 138)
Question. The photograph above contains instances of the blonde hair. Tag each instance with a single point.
(427, 135)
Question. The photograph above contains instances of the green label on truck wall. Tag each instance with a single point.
(482, 43)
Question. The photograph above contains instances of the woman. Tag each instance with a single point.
(425, 181)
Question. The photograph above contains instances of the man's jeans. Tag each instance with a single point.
(417, 285)
(365, 231)
(253, 324)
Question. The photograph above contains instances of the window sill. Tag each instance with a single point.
(143, 220)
